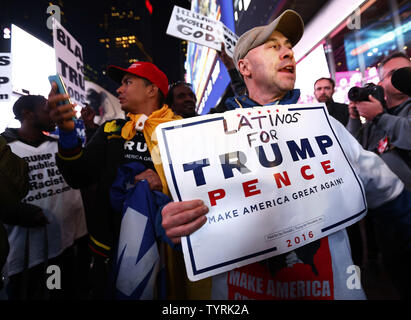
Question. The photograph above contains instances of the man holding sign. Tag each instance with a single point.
(308, 264)
(121, 153)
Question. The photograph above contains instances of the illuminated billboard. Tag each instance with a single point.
(32, 62)
(204, 70)
(309, 69)
(377, 40)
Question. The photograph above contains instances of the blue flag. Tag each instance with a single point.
(139, 272)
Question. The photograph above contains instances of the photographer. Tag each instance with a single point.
(386, 132)
(387, 129)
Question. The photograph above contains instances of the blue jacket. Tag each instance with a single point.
(244, 101)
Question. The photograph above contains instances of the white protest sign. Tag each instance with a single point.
(230, 40)
(274, 178)
(5, 76)
(69, 62)
(191, 26)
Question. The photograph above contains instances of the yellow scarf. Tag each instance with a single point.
(180, 286)
(128, 131)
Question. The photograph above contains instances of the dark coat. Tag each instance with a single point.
(97, 164)
(14, 185)
(339, 111)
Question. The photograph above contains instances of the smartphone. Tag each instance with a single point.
(61, 87)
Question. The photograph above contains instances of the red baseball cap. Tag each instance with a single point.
(142, 69)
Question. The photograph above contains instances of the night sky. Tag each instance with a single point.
(83, 20)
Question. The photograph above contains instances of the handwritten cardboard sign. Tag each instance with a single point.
(188, 25)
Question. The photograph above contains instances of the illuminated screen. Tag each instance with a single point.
(345, 80)
(377, 40)
(309, 69)
(32, 61)
(204, 70)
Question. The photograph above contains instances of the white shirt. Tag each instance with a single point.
(62, 205)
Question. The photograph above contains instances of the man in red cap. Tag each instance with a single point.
(116, 143)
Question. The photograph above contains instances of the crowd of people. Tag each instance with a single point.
(80, 206)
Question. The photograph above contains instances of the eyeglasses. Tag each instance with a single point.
(389, 74)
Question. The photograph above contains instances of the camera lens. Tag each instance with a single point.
(354, 93)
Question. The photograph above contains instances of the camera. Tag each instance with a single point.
(357, 94)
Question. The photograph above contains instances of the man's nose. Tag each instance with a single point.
(189, 98)
(287, 53)
(119, 89)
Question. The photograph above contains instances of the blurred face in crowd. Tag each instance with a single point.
(184, 101)
(133, 95)
(271, 66)
(394, 97)
(323, 91)
(40, 118)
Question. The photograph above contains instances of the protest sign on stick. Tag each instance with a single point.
(69, 62)
(5, 76)
(191, 26)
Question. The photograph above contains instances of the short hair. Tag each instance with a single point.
(160, 98)
(324, 78)
(392, 55)
(395, 54)
(29, 102)
(171, 89)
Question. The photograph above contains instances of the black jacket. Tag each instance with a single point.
(339, 111)
(14, 179)
(14, 185)
(13, 211)
(97, 163)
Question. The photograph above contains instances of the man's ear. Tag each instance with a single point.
(152, 90)
(244, 67)
(26, 114)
